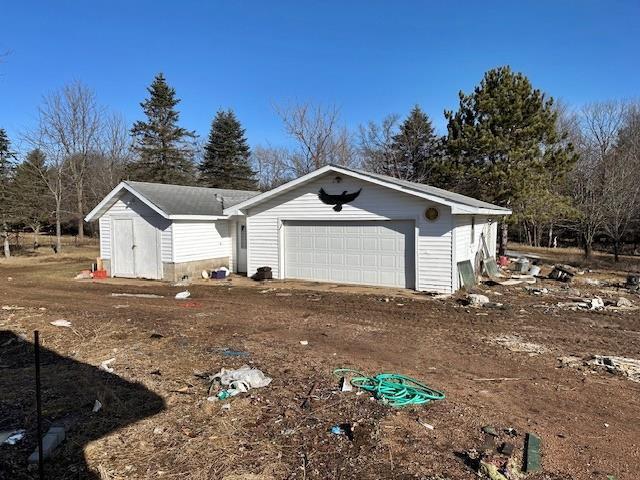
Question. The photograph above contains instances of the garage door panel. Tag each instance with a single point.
(363, 252)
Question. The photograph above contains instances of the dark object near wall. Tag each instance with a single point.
(633, 281)
(337, 200)
(263, 273)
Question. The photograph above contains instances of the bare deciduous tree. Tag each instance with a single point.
(272, 166)
(320, 138)
(595, 134)
(376, 143)
(71, 123)
(621, 182)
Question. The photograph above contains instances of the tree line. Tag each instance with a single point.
(568, 174)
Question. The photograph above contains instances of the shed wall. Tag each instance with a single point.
(130, 206)
(201, 240)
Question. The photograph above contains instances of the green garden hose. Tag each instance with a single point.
(393, 389)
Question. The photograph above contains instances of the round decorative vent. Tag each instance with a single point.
(431, 213)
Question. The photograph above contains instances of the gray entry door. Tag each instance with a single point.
(136, 246)
(360, 252)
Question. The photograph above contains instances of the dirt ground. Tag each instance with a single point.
(156, 421)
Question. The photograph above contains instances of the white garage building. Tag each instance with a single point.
(333, 225)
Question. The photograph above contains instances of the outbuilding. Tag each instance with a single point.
(335, 224)
(158, 231)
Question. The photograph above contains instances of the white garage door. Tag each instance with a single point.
(367, 252)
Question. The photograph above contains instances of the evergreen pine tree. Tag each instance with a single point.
(165, 150)
(415, 149)
(31, 192)
(226, 155)
(7, 157)
(504, 144)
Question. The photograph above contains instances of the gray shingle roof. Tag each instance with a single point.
(182, 200)
(421, 187)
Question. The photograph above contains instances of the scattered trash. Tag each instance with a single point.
(491, 471)
(345, 384)
(624, 303)
(629, 367)
(476, 300)
(488, 429)
(532, 455)
(537, 291)
(139, 295)
(563, 273)
(512, 432)
(11, 437)
(156, 335)
(240, 380)
(534, 271)
(121, 306)
(104, 366)
(158, 430)
(54, 437)
(393, 389)
(426, 425)
(506, 449)
(205, 274)
(183, 295)
(12, 307)
(230, 352)
(343, 429)
(97, 405)
(283, 294)
(596, 303)
(633, 281)
(304, 342)
(61, 323)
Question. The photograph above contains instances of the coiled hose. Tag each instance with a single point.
(391, 388)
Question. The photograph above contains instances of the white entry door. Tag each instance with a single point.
(145, 251)
(135, 245)
(361, 252)
(242, 246)
(123, 247)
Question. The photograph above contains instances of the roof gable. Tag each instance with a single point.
(176, 202)
(460, 204)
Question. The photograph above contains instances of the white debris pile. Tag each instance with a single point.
(516, 344)
(239, 380)
(629, 367)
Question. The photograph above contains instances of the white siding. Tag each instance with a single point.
(201, 240)
(466, 247)
(130, 206)
(233, 225)
(434, 248)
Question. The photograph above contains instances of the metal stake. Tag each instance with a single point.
(36, 344)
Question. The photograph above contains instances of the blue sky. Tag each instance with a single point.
(368, 57)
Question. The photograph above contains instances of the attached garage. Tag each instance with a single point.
(359, 252)
(343, 225)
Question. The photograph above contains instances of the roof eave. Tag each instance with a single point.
(198, 217)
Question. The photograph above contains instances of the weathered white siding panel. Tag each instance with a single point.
(232, 225)
(200, 240)
(434, 249)
(130, 206)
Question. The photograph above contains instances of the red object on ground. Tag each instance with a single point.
(100, 274)
(503, 261)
